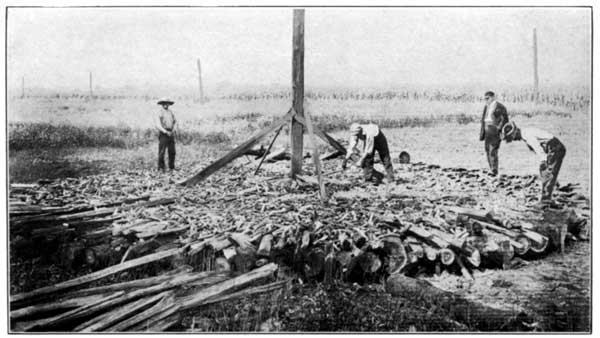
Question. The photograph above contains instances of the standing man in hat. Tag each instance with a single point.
(493, 119)
(373, 140)
(550, 152)
(165, 122)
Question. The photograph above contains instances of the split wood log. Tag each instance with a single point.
(538, 242)
(126, 286)
(16, 300)
(64, 304)
(47, 324)
(149, 324)
(114, 301)
(248, 292)
(444, 240)
(447, 256)
(263, 272)
(431, 253)
(264, 248)
(235, 153)
(163, 324)
(141, 317)
(369, 262)
(106, 320)
(518, 240)
(497, 250)
(464, 311)
(396, 253)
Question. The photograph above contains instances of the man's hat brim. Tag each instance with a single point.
(165, 100)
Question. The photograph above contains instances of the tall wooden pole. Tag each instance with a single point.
(200, 90)
(296, 128)
(91, 93)
(535, 66)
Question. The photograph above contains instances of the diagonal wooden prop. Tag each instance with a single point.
(238, 151)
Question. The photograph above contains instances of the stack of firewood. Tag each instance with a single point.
(236, 225)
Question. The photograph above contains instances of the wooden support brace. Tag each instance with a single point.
(235, 153)
(268, 150)
(324, 136)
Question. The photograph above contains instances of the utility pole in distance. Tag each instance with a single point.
(200, 89)
(296, 129)
(23, 88)
(91, 92)
(535, 67)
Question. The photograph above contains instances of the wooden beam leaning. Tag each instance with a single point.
(268, 149)
(324, 136)
(296, 130)
(235, 153)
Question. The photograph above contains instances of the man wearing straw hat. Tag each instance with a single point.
(550, 152)
(373, 140)
(493, 119)
(165, 122)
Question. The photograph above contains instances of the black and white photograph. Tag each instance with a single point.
(244, 168)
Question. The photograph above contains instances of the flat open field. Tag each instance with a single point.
(443, 133)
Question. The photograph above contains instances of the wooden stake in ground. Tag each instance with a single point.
(296, 130)
(316, 160)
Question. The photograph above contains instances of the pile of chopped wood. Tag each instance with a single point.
(232, 228)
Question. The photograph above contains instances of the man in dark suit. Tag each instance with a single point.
(493, 119)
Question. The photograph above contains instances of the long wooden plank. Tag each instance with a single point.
(64, 304)
(110, 318)
(122, 298)
(218, 289)
(324, 136)
(149, 324)
(15, 299)
(247, 292)
(164, 303)
(235, 153)
(129, 285)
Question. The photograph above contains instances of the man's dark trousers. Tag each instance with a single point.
(166, 143)
(492, 144)
(549, 171)
(381, 147)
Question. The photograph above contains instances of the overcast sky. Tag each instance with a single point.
(58, 47)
